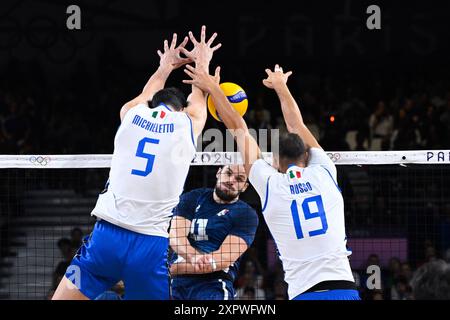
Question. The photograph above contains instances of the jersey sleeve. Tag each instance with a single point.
(244, 224)
(319, 157)
(186, 206)
(129, 116)
(259, 175)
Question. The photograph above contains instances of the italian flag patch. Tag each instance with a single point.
(295, 174)
(158, 114)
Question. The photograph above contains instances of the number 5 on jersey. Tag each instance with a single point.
(150, 157)
(320, 213)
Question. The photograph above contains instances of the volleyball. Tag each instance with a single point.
(236, 96)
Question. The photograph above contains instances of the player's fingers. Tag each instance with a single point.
(188, 81)
(217, 72)
(203, 34)
(191, 36)
(189, 73)
(211, 40)
(268, 71)
(266, 82)
(216, 47)
(186, 60)
(174, 41)
(184, 43)
(186, 52)
(190, 68)
(159, 53)
(288, 74)
(166, 45)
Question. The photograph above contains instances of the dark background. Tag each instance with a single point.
(61, 91)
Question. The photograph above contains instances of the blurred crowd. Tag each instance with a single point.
(79, 114)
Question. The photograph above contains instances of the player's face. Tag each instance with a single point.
(231, 180)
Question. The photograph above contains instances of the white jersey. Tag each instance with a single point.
(304, 211)
(153, 150)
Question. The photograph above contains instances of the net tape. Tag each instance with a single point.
(224, 158)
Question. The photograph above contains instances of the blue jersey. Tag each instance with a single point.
(212, 222)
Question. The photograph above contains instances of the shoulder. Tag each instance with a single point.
(260, 170)
(241, 207)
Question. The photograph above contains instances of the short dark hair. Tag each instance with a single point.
(169, 96)
(432, 281)
(292, 147)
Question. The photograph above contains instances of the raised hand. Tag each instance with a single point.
(171, 58)
(202, 79)
(202, 52)
(276, 78)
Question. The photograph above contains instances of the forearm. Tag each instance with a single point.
(156, 82)
(230, 117)
(293, 117)
(230, 250)
(178, 237)
(182, 268)
(182, 247)
(291, 112)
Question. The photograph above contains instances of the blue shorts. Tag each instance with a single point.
(330, 295)
(192, 288)
(111, 254)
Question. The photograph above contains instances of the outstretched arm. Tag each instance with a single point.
(169, 60)
(201, 54)
(276, 80)
(233, 121)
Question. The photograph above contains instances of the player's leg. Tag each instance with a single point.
(96, 266)
(146, 274)
(68, 291)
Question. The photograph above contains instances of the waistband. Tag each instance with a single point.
(332, 285)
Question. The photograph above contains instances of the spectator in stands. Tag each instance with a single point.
(401, 289)
(360, 140)
(280, 290)
(248, 293)
(393, 271)
(406, 271)
(67, 252)
(381, 125)
(76, 238)
(430, 253)
(251, 279)
(376, 295)
(432, 281)
(406, 136)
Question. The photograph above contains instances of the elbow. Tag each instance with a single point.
(295, 128)
(173, 241)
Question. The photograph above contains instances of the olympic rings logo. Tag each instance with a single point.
(334, 156)
(43, 161)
